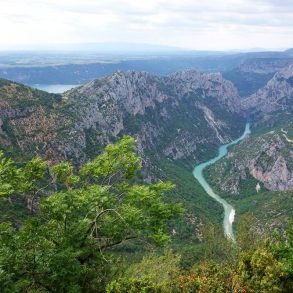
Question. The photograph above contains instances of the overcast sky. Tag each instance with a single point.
(194, 24)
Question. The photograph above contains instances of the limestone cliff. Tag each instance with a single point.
(274, 101)
(175, 116)
(265, 161)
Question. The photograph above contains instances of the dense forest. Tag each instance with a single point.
(99, 228)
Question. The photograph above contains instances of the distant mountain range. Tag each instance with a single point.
(248, 71)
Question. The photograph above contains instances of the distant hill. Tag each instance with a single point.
(289, 51)
(76, 67)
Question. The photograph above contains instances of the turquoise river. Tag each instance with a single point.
(229, 211)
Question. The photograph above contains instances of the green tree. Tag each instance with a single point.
(68, 245)
(9, 175)
(282, 249)
(260, 271)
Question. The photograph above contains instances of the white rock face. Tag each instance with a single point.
(176, 116)
(108, 103)
(276, 95)
(207, 85)
(268, 158)
(278, 177)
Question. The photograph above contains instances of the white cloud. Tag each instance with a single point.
(196, 24)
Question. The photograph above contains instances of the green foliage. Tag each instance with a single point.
(63, 174)
(266, 266)
(155, 273)
(217, 248)
(259, 271)
(17, 180)
(8, 176)
(245, 236)
(68, 245)
(117, 163)
(283, 250)
(33, 175)
(271, 210)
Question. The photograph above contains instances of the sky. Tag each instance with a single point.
(190, 24)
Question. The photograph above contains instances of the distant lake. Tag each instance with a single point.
(54, 88)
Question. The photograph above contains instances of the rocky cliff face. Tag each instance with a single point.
(265, 162)
(254, 73)
(273, 99)
(173, 116)
(179, 117)
(170, 112)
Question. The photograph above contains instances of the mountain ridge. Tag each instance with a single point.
(178, 120)
(275, 98)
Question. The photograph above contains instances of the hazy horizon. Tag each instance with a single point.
(190, 24)
(112, 47)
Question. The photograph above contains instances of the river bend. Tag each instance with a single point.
(229, 211)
